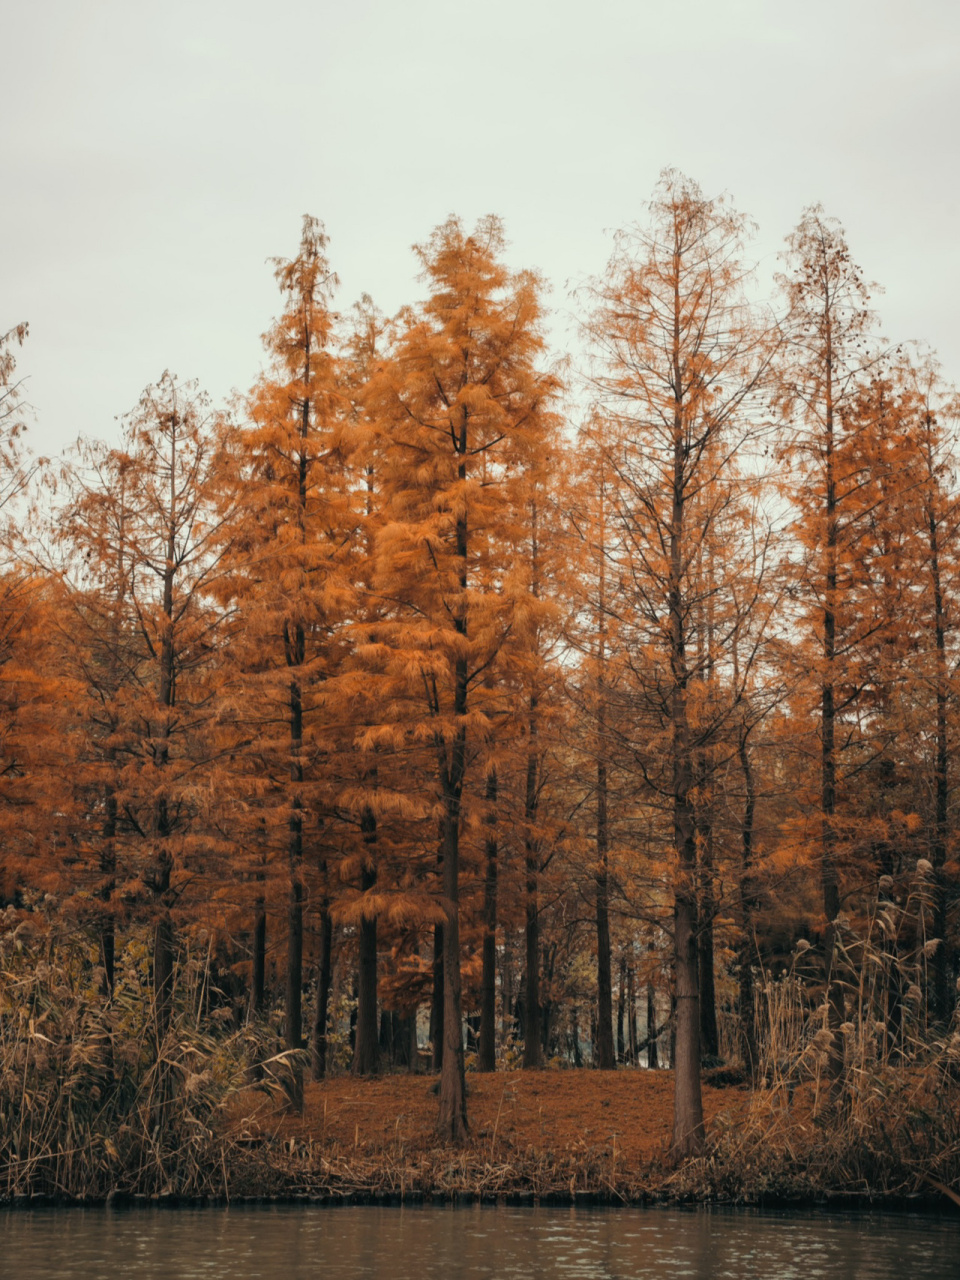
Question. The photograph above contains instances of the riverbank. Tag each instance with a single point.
(557, 1137)
(552, 1136)
(582, 1137)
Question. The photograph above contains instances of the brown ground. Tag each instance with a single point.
(627, 1113)
(559, 1135)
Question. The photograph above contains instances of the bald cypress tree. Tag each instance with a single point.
(679, 360)
(461, 411)
(291, 585)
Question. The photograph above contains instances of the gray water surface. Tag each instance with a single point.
(294, 1242)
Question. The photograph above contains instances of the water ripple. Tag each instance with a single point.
(472, 1244)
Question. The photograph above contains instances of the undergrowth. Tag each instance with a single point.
(886, 1125)
(91, 1103)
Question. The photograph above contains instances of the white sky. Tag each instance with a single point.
(154, 156)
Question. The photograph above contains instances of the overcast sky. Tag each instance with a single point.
(155, 155)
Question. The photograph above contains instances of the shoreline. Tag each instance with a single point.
(831, 1202)
(549, 1138)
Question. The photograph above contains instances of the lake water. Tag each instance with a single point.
(295, 1242)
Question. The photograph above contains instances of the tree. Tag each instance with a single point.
(679, 361)
(826, 355)
(94, 529)
(21, 609)
(460, 411)
(291, 582)
(532, 673)
(364, 350)
(597, 642)
(145, 526)
(937, 409)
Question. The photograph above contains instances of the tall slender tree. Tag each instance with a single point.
(937, 410)
(679, 358)
(292, 584)
(461, 410)
(825, 356)
(150, 520)
(597, 640)
(104, 642)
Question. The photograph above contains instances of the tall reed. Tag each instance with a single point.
(890, 1124)
(91, 1103)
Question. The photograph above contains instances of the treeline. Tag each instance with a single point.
(441, 677)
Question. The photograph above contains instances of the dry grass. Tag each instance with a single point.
(889, 1127)
(90, 1104)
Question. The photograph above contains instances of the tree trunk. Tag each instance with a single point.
(366, 1055)
(621, 1005)
(487, 1055)
(531, 978)
(293, 1013)
(709, 1031)
(688, 1105)
(687, 1099)
(385, 1039)
(399, 1039)
(672, 1043)
(575, 1037)
(828, 795)
(687, 1139)
(108, 857)
(548, 962)
(746, 947)
(295, 652)
(163, 859)
(163, 931)
(293, 998)
(606, 1059)
(318, 1042)
(653, 1061)
(532, 1055)
(452, 1121)
(508, 1020)
(436, 1004)
(413, 1058)
(703, 813)
(632, 1014)
(452, 1117)
(943, 992)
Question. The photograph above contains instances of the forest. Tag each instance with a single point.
(450, 705)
